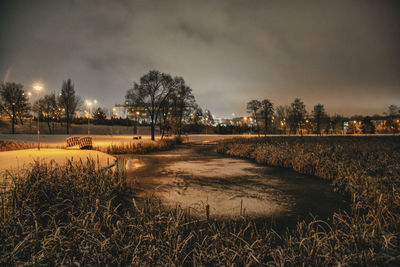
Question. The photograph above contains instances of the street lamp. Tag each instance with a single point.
(38, 88)
(89, 103)
(137, 122)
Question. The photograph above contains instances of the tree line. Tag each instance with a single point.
(294, 119)
(15, 104)
(168, 102)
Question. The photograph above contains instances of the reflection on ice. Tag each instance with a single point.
(193, 177)
(132, 164)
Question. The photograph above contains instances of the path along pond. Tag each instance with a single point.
(193, 176)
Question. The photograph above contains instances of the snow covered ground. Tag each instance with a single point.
(21, 159)
(58, 141)
(52, 148)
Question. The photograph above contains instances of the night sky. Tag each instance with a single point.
(343, 54)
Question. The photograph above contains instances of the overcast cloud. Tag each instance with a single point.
(344, 54)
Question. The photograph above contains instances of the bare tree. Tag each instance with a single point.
(319, 117)
(48, 109)
(69, 101)
(393, 110)
(390, 124)
(196, 115)
(282, 117)
(297, 115)
(267, 113)
(150, 93)
(208, 118)
(182, 100)
(337, 122)
(166, 115)
(14, 102)
(252, 107)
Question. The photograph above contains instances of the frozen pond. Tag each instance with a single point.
(195, 175)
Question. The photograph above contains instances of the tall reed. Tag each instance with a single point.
(81, 215)
(142, 147)
(6, 145)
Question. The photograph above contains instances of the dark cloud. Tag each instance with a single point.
(344, 54)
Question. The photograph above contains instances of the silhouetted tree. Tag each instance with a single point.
(69, 101)
(165, 116)
(182, 100)
(319, 117)
(282, 116)
(391, 125)
(99, 114)
(150, 93)
(367, 127)
(393, 110)
(253, 107)
(48, 109)
(208, 117)
(197, 115)
(337, 122)
(297, 115)
(14, 102)
(267, 113)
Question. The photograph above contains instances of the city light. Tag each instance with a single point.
(89, 104)
(38, 87)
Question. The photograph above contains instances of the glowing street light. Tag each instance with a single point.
(137, 113)
(38, 87)
(89, 103)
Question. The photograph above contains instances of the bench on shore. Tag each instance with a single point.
(83, 143)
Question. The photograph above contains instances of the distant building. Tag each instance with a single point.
(80, 114)
(119, 111)
(130, 112)
(380, 124)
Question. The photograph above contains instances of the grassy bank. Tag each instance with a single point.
(367, 169)
(11, 145)
(140, 147)
(77, 214)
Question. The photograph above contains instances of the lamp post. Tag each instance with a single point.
(38, 88)
(137, 122)
(89, 103)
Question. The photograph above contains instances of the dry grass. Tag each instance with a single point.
(80, 215)
(367, 169)
(11, 145)
(140, 147)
